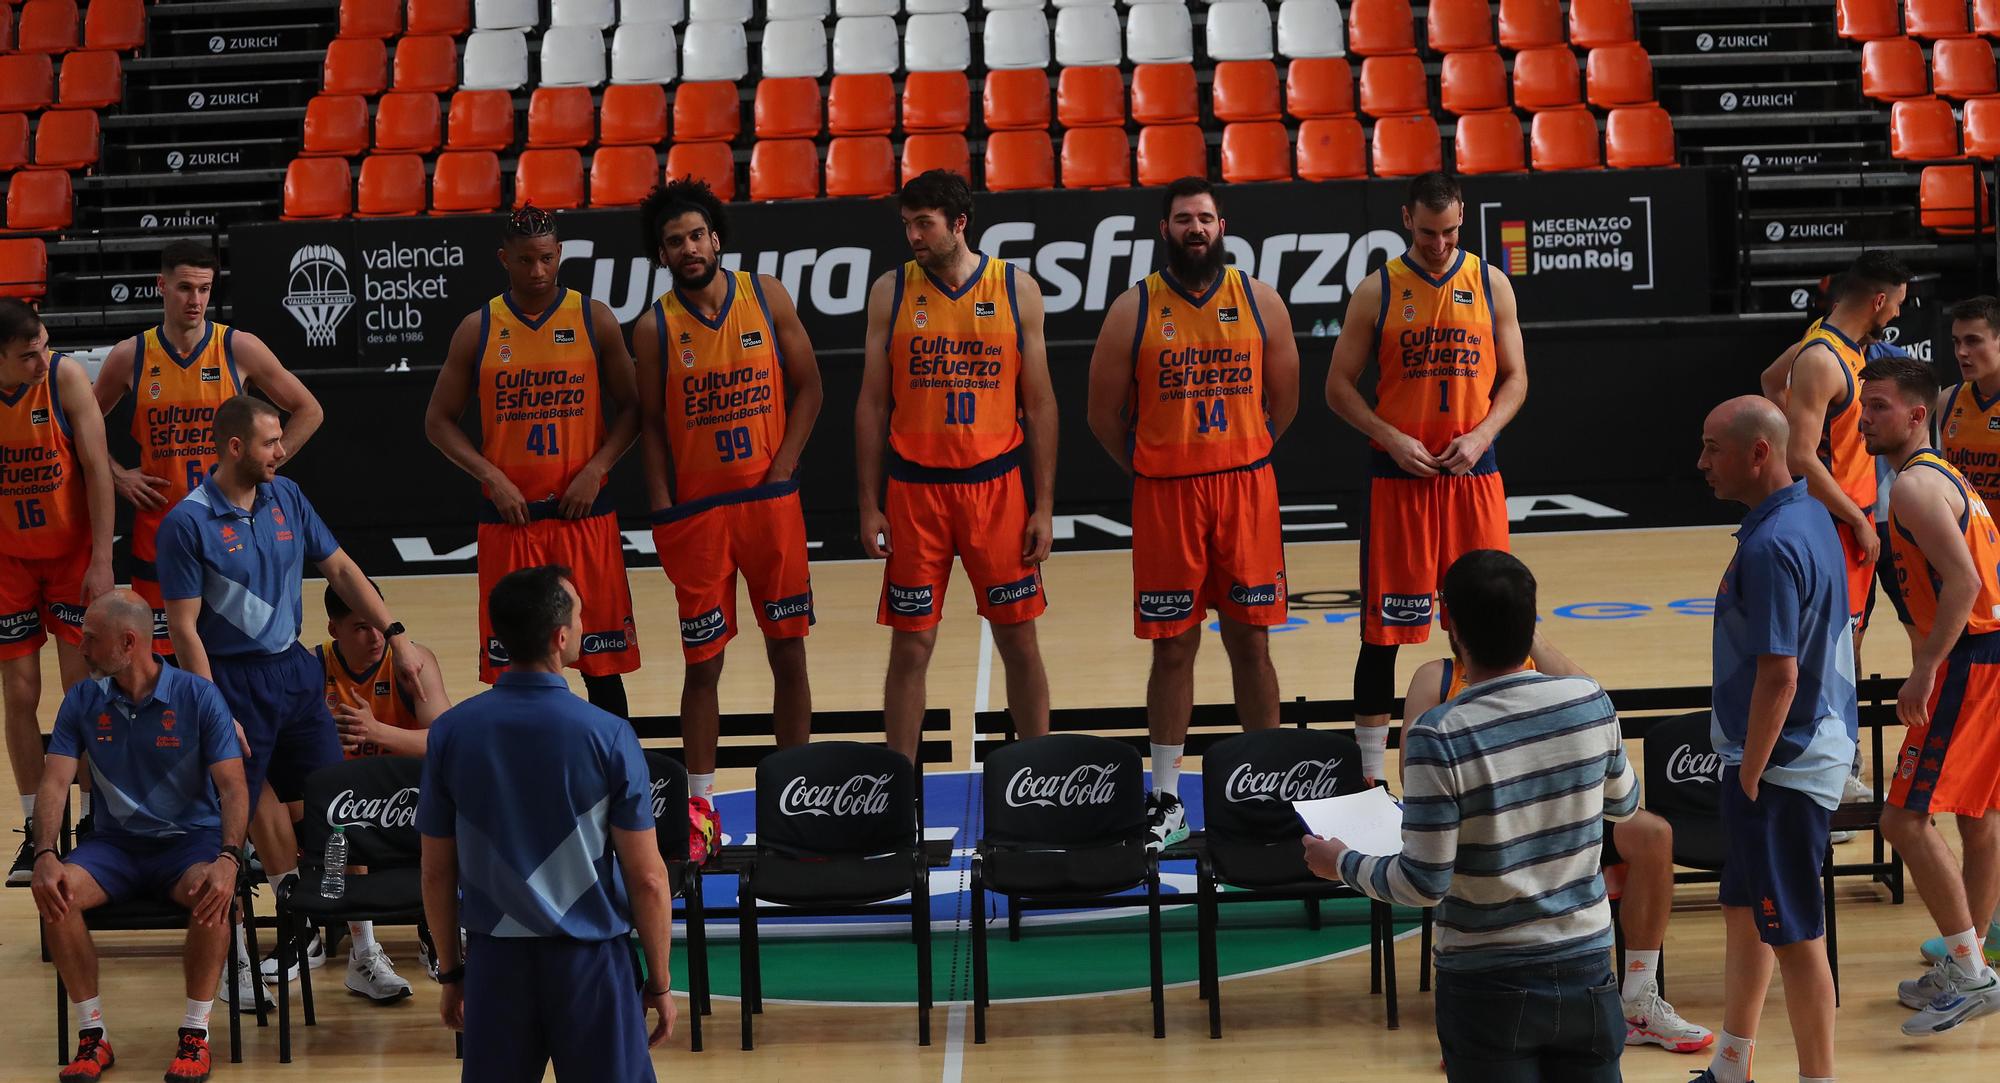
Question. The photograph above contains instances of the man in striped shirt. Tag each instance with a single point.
(1507, 787)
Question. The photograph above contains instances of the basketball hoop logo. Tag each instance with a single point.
(317, 294)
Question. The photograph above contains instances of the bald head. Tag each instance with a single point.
(117, 632)
(1747, 419)
(1743, 449)
(121, 610)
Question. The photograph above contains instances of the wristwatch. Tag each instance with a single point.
(394, 629)
(453, 976)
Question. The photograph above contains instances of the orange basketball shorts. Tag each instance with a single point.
(703, 544)
(593, 551)
(1860, 576)
(1205, 542)
(146, 578)
(983, 524)
(1953, 763)
(1416, 528)
(38, 595)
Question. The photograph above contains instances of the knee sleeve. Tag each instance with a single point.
(1375, 679)
(607, 693)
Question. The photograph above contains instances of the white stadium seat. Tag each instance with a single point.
(670, 12)
(1011, 5)
(1159, 34)
(572, 56)
(505, 14)
(1311, 28)
(1239, 30)
(794, 48)
(937, 7)
(719, 11)
(644, 53)
(496, 60)
(1017, 38)
(714, 52)
(1084, 3)
(937, 43)
(856, 9)
(1087, 36)
(596, 14)
(865, 45)
(778, 10)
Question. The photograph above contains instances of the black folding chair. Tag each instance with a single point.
(1065, 823)
(837, 834)
(670, 821)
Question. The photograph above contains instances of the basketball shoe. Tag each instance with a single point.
(1650, 1020)
(191, 1063)
(93, 1056)
(1960, 997)
(1166, 820)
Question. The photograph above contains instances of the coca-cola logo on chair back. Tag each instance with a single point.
(1064, 790)
(1248, 782)
(836, 798)
(670, 804)
(373, 800)
(1683, 771)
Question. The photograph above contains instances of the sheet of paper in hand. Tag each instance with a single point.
(1369, 822)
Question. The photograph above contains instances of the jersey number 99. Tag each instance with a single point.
(732, 445)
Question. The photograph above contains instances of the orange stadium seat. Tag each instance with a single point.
(634, 114)
(1458, 26)
(336, 125)
(621, 176)
(1639, 137)
(1594, 24)
(1090, 97)
(1394, 86)
(937, 150)
(355, 66)
(1020, 160)
(67, 139)
(1332, 148)
(369, 18)
(1545, 79)
(1381, 28)
(426, 62)
(1982, 127)
(1986, 17)
(1565, 139)
(117, 25)
(1894, 68)
(1963, 68)
(42, 201)
(711, 162)
(6, 27)
(784, 169)
(1258, 150)
(936, 101)
(1490, 143)
(786, 109)
(1096, 157)
(1932, 19)
(1015, 99)
(47, 26)
(1922, 128)
(1165, 94)
(1618, 75)
(1406, 146)
(405, 123)
(860, 165)
(27, 83)
(1473, 82)
(466, 182)
(92, 79)
(1245, 90)
(480, 120)
(561, 116)
(392, 186)
(17, 145)
(453, 17)
(24, 268)
(1319, 86)
(1530, 24)
(855, 105)
(706, 111)
(550, 179)
(1867, 20)
(1953, 199)
(318, 188)
(1168, 152)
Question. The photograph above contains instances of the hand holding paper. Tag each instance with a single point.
(1369, 822)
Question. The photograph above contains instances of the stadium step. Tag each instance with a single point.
(189, 92)
(1823, 224)
(200, 155)
(219, 43)
(1773, 155)
(1733, 38)
(1753, 97)
(178, 215)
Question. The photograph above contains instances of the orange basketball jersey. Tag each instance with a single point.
(955, 367)
(725, 390)
(174, 398)
(1434, 346)
(1969, 438)
(1454, 678)
(1915, 579)
(1198, 378)
(540, 418)
(373, 690)
(1840, 445)
(43, 509)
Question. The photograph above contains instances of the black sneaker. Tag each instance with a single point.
(85, 825)
(22, 872)
(1166, 820)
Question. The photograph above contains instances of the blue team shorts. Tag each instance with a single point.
(530, 1000)
(134, 866)
(281, 701)
(1772, 862)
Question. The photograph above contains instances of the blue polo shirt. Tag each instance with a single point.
(149, 761)
(530, 779)
(245, 566)
(1785, 593)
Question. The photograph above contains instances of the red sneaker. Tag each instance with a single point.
(191, 1063)
(93, 1056)
(704, 830)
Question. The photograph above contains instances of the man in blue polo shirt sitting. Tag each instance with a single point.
(171, 809)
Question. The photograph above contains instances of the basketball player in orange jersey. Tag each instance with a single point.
(1968, 413)
(1440, 324)
(1195, 376)
(956, 383)
(377, 716)
(728, 392)
(55, 536)
(177, 374)
(540, 361)
(1947, 549)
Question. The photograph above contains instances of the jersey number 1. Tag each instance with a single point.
(1444, 396)
(542, 439)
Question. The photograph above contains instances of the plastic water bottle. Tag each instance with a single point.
(333, 875)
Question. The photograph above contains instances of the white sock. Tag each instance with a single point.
(1731, 1063)
(277, 880)
(90, 1015)
(196, 1017)
(1815, 1079)
(1964, 947)
(1640, 966)
(82, 805)
(702, 786)
(361, 937)
(27, 806)
(1167, 769)
(242, 949)
(1374, 741)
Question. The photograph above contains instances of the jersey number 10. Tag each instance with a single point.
(959, 407)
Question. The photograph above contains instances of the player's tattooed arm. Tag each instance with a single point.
(1111, 366)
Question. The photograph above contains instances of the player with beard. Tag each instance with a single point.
(728, 392)
(956, 382)
(1194, 377)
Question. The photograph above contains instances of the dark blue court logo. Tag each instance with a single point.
(911, 601)
(1267, 594)
(1020, 590)
(1406, 609)
(703, 628)
(798, 605)
(1159, 605)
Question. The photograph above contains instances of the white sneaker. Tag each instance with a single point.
(1167, 818)
(1917, 993)
(1839, 837)
(1854, 791)
(249, 991)
(315, 958)
(1963, 998)
(1649, 1019)
(370, 974)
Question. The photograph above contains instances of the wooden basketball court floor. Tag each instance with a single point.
(1607, 599)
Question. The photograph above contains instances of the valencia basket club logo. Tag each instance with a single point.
(317, 292)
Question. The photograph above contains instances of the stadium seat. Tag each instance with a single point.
(572, 56)
(1922, 128)
(1381, 28)
(937, 43)
(426, 62)
(1394, 86)
(1311, 28)
(1090, 97)
(1473, 82)
(861, 105)
(1245, 90)
(1963, 68)
(336, 125)
(714, 52)
(784, 169)
(1530, 24)
(936, 101)
(1331, 148)
(860, 165)
(27, 83)
(314, 188)
(1015, 38)
(598, 15)
(496, 60)
(407, 123)
(816, 10)
(1168, 152)
(24, 268)
(1096, 158)
(355, 66)
(1867, 20)
(505, 14)
(1986, 17)
(549, 179)
(480, 120)
(621, 176)
(365, 18)
(1617, 75)
(118, 25)
(937, 7)
(1489, 143)
(1406, 146)
(560, 117)
(634, 12)
(1459, 26)
(92, 79)
(710, 162)
(392, 186)
(939, 150)
(865, 45)
(1952, 199)
(1014, 98)
(466, 182)
(1934, 19)
(6, 28)
(794, 49)
(1565, 139)
(1894, 68)
(47, 26)
(1319, 87)
(1238, 30)
(633, 115)
(1545, 79)
(1594, 24)
(67, 139)
(1256, 151)
(707, 111)
(786, 109)
(1088, 37)
(1165, 94)
(1982, 127)
(1639, 137)
(449, 17)
(852, 9)
(644, 53)
(1019, 161)
(1159, 34)
(719, 11)
(17, 145)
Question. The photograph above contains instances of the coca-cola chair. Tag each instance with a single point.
(837, 834)
(374, 800)
(670, 822)
(1250, 843)
(1064, 823)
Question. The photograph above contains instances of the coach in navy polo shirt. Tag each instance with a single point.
(171, 807)
(528, 793)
